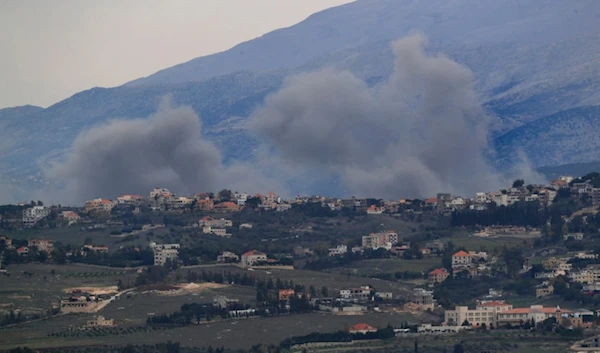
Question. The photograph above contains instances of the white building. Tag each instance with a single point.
(162, 252)
(222, 232)
(253, 257)
(35, 214)
(130, 199)
(241, 199)
(217, 223)
(338, 250)
(228, 256)
(484, 313)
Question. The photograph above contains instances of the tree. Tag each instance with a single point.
(225, 195)
(518, 183)
(324, 291)
(128, 349)
(466, 323)
(416, 346)
(458, 348)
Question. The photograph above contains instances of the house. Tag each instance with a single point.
(286, 294)
(179, 202)
(362, 328)
(461, 259)
(438, 275)
(575, 236)
(485, 312)
(361, 293)
(537, 313)
(96, 249)
(374, 210)
(130, 200)
(157, 193)
(380, 240)
(70, 216)
(282, 207)
(227, 256)
(164, 252)
(41, 244)
(23, 250)
(253, 257)
(226, 207)
(338, 250)
(100, 321)
(99, 205)
(423, 298)
(544, 291)
(216, 231)
(34, 214)
(436, 246)
(205, 205)
(245, 226)
(431, 202)
(588, 275)
(217, 223)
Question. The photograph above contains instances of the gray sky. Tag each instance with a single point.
(53, 49)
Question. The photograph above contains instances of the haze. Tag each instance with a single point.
(51, 50)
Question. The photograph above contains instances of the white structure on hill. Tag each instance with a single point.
(162, 252)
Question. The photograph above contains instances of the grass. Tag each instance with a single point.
(474, 243)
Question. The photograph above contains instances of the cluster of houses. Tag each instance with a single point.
(553, 267)
(472, 263)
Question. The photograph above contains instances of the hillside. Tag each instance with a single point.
(534, 63)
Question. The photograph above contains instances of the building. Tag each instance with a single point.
(588, 275)
(253, 257)
(100, 321)
(544, 291)
(537, 313)
(70, 216)
(486, 312)
(575, 236)
(222, 232)
(245, 226)
(23, 250)
(226, 207)
(423, 298)
(461, 259)
(362, 328)
(443, 201)
(164, 252)
(286, 294)
(338, 250)
(130, 200)
(436, 246)
(438, 275)
(374, 210)
(217, 223)
(595, 194)
(41, 244)
(157, 193)
(380, 240)
(179, 202)
(99, 205)
(227, 257)
(206, 205)
(361, 293)
(96, 249)
(34, 214)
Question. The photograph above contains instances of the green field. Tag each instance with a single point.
(393, 265)
(474, 243)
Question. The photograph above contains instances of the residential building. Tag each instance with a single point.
(23, 250)
(71, 217)
(253, 257)
(41, 244)
(436, 246)
(241, 199)
(157, 193)
(443, 201)
(438, 275)
(179, 202)
(595, 194)
(544, 291)
(245, 226)
(222, 232)
(98, 205)
(485, 312)
(34, 214)
(100, 321)
(217, 223)
(575, 236)
(164, 252)
(361, 293)
(130, 199)
(588, 275)
(380, 240)
(227, 257)
(96, 249)
(338, 250)
(374, 210)
(362, 328)
(423, 298)
(226, 207)
(461, 259)
(205, 205)
(282, 207)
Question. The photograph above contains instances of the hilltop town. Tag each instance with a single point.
(523, 260)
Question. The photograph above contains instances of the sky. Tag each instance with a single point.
(54, 49)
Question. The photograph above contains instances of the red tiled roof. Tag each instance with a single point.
(21, 249)
(439, 271)
(363, 327)
(431, 200)
(461, 253)
(253, 253)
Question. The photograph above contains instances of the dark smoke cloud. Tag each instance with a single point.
(133, 156)
(421, 133)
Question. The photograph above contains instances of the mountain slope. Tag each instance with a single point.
(366, 21)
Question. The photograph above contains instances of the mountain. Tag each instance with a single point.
(536, 66)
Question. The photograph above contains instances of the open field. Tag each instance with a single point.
(47, 283)
(474, 243)
(231, 334)
(393, 265)
(334, 282)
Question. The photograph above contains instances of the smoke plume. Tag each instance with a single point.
(420, 133)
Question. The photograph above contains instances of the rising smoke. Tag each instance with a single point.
(420, 133)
